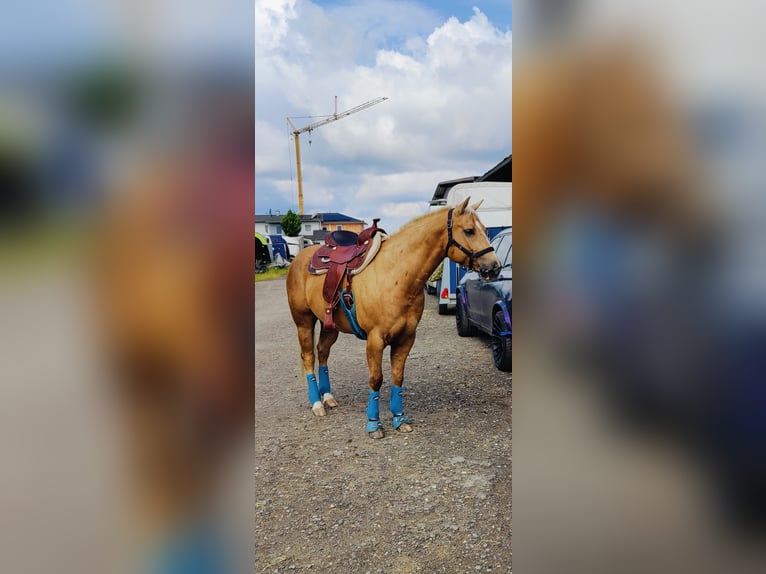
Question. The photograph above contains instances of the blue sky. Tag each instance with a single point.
(446, 67)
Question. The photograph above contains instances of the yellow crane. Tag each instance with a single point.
(334, 117)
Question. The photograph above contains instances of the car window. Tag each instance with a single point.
(509, 256)
(501, 250)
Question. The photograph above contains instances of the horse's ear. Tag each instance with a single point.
(460, 209)
(476, 205)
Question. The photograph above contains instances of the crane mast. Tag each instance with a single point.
(334, 117)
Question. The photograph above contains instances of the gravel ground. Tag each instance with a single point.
(330, 499)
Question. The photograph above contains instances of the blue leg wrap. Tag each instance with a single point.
(324, 380)
(373, 412)
(372, 426)
(399, 420)
(396, 407)
(396, 401)
(196, 550)
(311, 379)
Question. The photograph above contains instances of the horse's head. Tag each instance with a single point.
(467, 242)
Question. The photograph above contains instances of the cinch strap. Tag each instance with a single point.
(324, 380)
(350, 310)
(311, 379)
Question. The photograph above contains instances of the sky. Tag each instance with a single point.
(445, 67)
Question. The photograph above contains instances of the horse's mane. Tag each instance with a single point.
(419, 220)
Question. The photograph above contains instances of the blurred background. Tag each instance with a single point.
(126, 162)
(639, 404)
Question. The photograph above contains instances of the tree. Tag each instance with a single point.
(291, 224)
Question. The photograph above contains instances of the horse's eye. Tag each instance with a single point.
(468, 231)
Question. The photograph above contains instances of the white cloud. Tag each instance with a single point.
(449, 112)
(272, 18)
(404, 211)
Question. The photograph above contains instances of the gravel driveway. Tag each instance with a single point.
(330, 499)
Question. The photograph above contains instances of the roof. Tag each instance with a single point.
(500, 172)
(338, 217)
(443, 187)
(271, 218)
(331, 216)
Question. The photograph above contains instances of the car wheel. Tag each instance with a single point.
(464, 327)
(502, 353)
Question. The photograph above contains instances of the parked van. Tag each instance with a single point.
(293, 245)
(279, 246)
(495, 212)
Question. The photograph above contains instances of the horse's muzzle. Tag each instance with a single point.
(488, 273)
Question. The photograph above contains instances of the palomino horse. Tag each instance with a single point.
(389, 298)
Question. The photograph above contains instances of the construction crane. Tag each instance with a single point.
(334, 117)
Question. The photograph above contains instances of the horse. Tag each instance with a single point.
(389, 297)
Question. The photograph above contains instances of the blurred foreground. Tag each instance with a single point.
(126, 155)
(640, 408)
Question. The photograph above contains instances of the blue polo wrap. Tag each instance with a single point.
(373, 406)
(324, 380)
(373, 412)
(311, 379)
(395, 403)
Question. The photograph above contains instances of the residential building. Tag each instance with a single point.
(336, 221)
(314, 226)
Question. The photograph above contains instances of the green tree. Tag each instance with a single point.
(291, 224)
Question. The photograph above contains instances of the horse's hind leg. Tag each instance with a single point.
(327, 339)
(306, 341)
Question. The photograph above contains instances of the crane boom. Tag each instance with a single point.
(334, 117)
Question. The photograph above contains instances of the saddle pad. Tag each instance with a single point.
(372, 251)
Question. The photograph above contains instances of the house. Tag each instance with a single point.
(271, 224)
(336, 221)
(315, 226)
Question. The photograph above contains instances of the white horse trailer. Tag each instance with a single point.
(495, 212)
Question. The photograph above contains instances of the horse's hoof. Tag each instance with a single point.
(380, 433)
(404, 427)
(329, 401)
(318, 409)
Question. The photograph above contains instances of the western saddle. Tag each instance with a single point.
(344, 254)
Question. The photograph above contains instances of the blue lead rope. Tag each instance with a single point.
(350, 312)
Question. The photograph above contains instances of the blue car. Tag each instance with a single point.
(486, 305)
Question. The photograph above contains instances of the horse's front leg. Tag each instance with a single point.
(306, 340)
(399, 353)
(326, 341)
(375, 365)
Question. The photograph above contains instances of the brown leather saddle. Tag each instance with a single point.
(344, 254)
